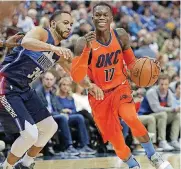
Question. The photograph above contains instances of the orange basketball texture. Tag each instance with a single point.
(145, 72)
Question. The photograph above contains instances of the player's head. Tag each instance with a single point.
(102, 16)
(61, 22)
(163, 82)
(48, 80)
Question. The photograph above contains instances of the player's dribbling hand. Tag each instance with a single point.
(89, 38)
(96, 92)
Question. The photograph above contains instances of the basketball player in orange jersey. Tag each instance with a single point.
(101, 56)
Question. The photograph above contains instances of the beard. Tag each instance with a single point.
(60, 33)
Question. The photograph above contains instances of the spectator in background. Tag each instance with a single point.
(126, 8)
(44, 22)
(158, 102)
(75, 119)
(175, 79)
(67, 8)
(164, 18)
(24, 21)
(148, 120)
(55, 108)
(81, 99)
(123, 23)
(135, 25)
(32, 13)
(167, 50)
(13, 29)
(176, 101)
(145, 49)
(148, 20)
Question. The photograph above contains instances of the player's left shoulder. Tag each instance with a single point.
(124, 36)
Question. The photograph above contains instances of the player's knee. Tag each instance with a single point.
(30, 133)
(131, 120)
(54, 126)
(48, 126)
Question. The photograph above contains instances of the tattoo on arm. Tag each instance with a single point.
(124, 37)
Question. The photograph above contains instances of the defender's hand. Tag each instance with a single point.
(12, 41)
(63, 52)
(96, 92)
(90, 37)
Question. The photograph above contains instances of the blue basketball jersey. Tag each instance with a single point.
(23, 66)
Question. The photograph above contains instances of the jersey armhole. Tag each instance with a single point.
(50, 38)
(119, 40)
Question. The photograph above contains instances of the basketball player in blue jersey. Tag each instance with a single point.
(21, 111)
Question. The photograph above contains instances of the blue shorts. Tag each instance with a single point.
(15, 109)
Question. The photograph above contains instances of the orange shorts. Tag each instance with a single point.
(106, 112)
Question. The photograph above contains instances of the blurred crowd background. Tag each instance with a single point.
(154, 29)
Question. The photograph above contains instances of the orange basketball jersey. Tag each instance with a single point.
(106, 63)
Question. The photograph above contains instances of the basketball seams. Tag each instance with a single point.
(135, 65)
(151, 73)
(144, 67)
(141, 70)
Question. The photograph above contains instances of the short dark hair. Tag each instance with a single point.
(57, 13)
(164, 76)
(102, 4)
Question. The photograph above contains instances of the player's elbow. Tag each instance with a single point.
(25, 43)
(78, 76)
(78, 73)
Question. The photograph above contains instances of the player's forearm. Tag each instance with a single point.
(80, 65)
(86, 83)
(129, 57)
(35, 45)
(66, 66)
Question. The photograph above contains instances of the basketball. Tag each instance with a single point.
(145, 72)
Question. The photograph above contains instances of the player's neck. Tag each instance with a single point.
(103, 37)
(55, 36)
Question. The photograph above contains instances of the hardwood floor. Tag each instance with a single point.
(102, 163)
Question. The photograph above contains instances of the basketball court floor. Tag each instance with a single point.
(98, 162)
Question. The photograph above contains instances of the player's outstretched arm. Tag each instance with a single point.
(82, 52)
(128, 54)
(35, 40)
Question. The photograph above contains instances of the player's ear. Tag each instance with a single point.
(53, 24)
